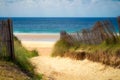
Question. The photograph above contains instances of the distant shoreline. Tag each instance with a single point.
(17, 33)
(39, 37)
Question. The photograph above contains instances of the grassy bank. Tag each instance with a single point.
(20, 68)
(10, 71)
(22, 59)
(108, 52)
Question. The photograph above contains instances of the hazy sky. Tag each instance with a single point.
(59, 8)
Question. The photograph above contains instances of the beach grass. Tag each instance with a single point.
(22, 57)
(108, 52)
(60, 48)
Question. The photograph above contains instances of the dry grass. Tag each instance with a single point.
(76, 55)
(9, 71)
(108, 52)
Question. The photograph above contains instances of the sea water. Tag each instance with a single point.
(55, 24)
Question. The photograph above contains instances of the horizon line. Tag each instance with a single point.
(55, 17)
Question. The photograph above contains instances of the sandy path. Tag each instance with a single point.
(43, 48)
(67, 69)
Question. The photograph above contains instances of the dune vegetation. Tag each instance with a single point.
(22, 57)
(101, 43)
(108, 52)
(10, 71)
(20, 68)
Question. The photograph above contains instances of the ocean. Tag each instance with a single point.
(54, 25)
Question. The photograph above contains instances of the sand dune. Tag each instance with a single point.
(65, 68)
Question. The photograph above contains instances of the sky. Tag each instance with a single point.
(59, 8)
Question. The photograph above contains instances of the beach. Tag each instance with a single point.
(43, 43)
(60, 39)
(57, 68)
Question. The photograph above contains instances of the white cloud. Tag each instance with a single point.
(70, 8)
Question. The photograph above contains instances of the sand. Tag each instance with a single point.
(68, 69)
(63, 68)
(43, 43)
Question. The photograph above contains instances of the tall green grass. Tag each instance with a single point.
(22, 57)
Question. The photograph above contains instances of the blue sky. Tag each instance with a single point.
(59, 8)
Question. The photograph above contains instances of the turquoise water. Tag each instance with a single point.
(55, 25)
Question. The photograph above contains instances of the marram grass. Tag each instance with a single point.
(22, 57)
(108, 52)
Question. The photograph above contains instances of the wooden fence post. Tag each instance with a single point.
(119, 24)
(10, 27)
(63, 35)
